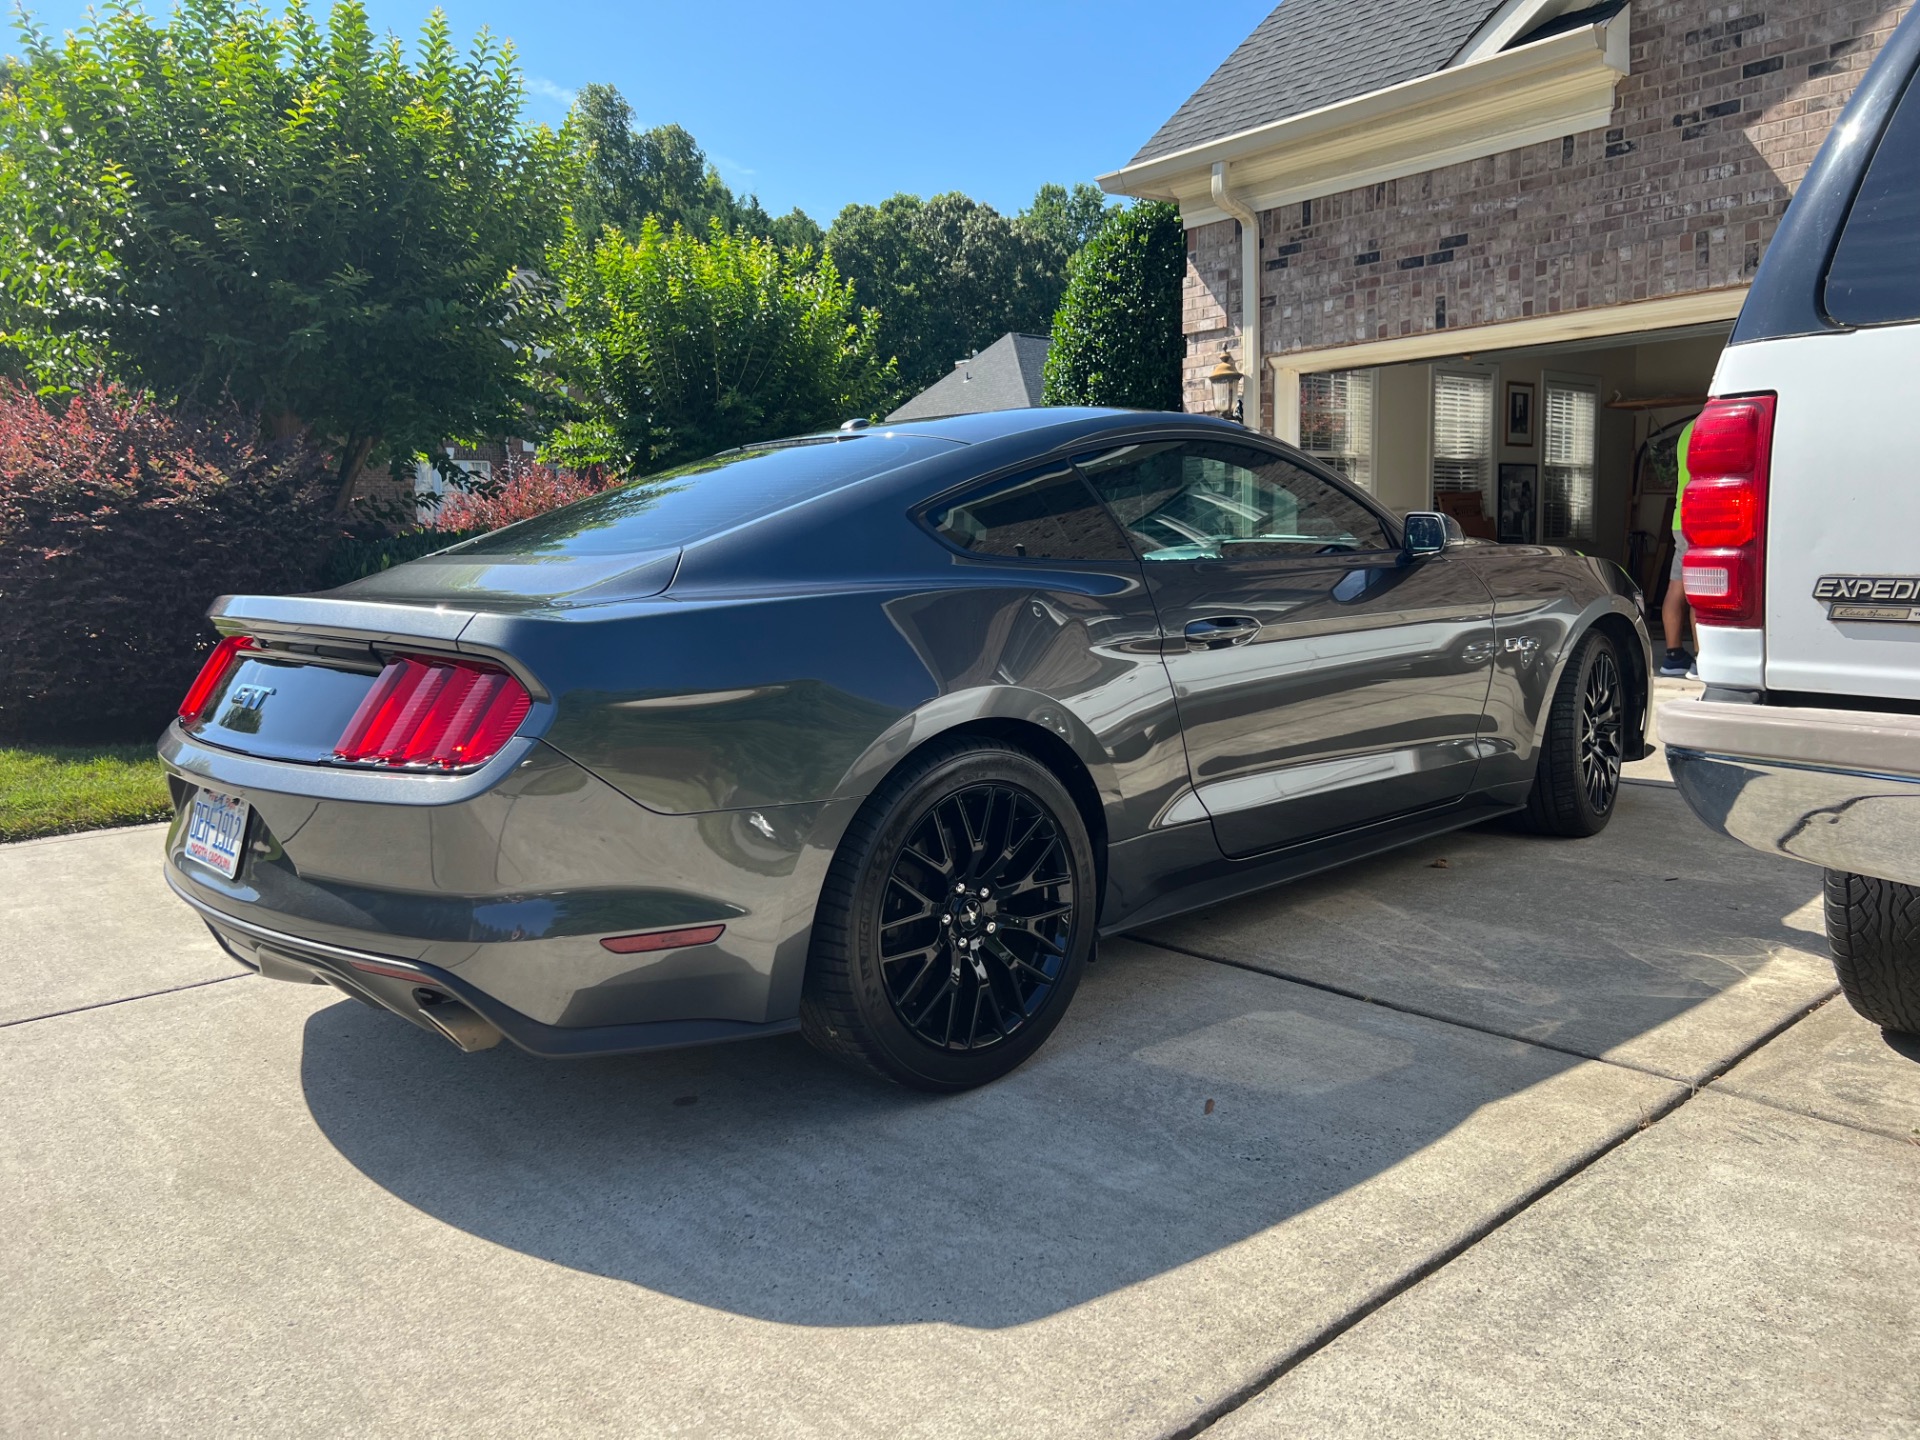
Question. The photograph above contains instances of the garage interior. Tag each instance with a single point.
(1570, 443)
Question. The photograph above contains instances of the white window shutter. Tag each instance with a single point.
(1463, 433)
(1568, 421)
(1336, 422)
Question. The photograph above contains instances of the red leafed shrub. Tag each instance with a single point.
(119, 523)
(521, 490)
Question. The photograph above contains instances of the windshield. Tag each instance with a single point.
(677, 507)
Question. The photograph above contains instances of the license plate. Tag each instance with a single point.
(216, 829)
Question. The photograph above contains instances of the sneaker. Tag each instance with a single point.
(1676, 665)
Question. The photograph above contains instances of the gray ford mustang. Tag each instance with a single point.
(870, 734)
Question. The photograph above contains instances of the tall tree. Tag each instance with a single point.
(1066, 219)
(294, 215)
(678, 345)
(626, 175)
(948, 275)
(1116, 339)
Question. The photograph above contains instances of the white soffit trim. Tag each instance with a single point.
(1507, 24)
(1668, 312)
(1538, 92)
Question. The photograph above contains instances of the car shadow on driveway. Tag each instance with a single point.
(1184, 1106)
(761, 1179)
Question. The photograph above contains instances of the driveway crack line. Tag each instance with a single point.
(1856, 1126)
(1413, 1010)
(124, 1000)
(1312, 1346)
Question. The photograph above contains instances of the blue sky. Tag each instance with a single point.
(826, 104)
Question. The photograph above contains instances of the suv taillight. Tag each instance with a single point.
(447, 714)
(1724, 511)
(200, 694)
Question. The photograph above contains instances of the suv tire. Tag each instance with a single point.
(955, 922)
(1874, 929)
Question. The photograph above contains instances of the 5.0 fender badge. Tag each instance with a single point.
(1893, 599)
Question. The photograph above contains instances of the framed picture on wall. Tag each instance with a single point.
(1519, 412)
(1517, 489)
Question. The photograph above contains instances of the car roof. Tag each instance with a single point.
(990, 425)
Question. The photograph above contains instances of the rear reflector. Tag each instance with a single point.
(444, 714)
(663, 939)
(1724, 511)
(207, 683)
(392, 972)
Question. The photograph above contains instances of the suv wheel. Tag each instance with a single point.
(1874, 929)
(1581, 745)
(955, 921)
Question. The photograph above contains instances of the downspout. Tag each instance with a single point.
(1252, 361)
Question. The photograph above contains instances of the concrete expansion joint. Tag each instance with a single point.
(1685, 1091)
(124, 1000)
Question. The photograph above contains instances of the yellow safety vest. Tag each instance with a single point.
(1680, 456)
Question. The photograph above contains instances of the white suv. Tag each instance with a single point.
(1803, 522)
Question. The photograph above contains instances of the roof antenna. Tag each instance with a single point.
(859, 422)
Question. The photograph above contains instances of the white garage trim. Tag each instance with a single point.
(1553, 87)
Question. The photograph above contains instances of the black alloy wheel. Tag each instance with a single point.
(976, 918)
(1602, 732)
(1583, 737)
(955, 921)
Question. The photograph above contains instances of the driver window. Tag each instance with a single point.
(1188, 500)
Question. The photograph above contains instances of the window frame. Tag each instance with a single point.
(1591, 384)
(1372, 455)
(1490, 490)
(980, 489)
(1905, 107)
(1341, 487)
(920, 513)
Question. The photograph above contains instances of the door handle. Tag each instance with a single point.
(1221, 631)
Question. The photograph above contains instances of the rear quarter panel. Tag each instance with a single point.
(1545, 600)
(800, 663)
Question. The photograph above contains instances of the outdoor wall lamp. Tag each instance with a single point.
(1226, 382)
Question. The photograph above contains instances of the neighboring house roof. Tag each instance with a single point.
(1004, 376)
(1310, 53)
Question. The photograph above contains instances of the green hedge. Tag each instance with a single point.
(1116, 336)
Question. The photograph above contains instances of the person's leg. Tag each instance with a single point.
(1674, 615)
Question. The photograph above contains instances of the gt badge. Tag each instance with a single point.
(1888, 598)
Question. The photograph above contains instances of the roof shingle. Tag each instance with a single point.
(1004, 376)
(1310, 53)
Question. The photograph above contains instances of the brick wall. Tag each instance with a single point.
(1724, 110)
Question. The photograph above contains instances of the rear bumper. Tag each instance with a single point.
(441, 1002)
(504, 894)
(1836, 788)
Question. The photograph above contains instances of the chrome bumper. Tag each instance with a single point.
(1836, 788)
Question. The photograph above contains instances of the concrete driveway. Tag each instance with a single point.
(1494, 1136)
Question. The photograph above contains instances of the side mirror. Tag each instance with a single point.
(1424, 532)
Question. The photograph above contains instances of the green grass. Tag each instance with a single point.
(53, 789)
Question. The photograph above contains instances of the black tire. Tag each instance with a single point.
(1577, 781)
(1004, 964)
(1874, 929)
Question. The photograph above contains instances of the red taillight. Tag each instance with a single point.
(1724, 510)
(200, 693)
(443, 713)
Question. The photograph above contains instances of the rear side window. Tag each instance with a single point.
(1045, 514)
(1875, 275)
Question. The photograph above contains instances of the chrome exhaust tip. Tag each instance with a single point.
(465, 1027)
